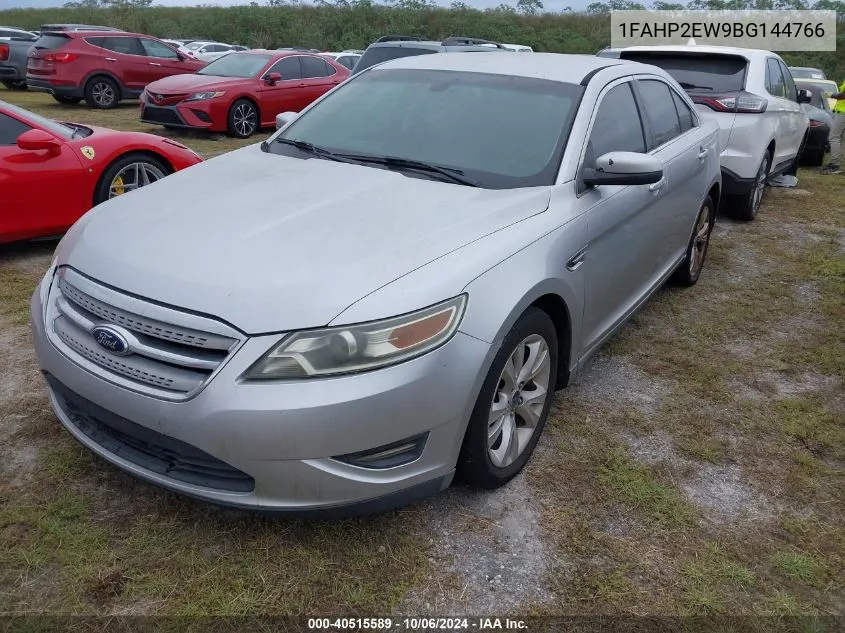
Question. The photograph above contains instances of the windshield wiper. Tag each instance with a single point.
(305, 146)
(455, 175)
(688, 86)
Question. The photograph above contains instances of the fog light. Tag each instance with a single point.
(202, 116)
(389, 455)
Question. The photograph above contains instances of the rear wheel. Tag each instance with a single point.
(689, 271)
(64, 100)
(749, 204)
(513, 404)
(127, 174)
(102, 93)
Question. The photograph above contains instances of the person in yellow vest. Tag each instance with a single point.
(837, 134)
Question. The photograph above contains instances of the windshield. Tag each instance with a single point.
(697, 72)
(236, 65)
(502, 131)
(59, 129)
(806, 73)
(379, 54)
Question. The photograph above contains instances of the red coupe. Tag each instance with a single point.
(241, 92)
(51, 173)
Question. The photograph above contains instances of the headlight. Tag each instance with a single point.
(202, 96)
(356, 348)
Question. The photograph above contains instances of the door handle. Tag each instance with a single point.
(657, 186)
(111, 59)
(154, 64)
(702, 153)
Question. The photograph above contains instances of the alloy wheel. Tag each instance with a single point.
(698, 248)
(133, 176)
(245, 119)
(760, 184)
(103, 94)
(519, 399)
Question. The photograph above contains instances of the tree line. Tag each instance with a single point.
(345, 24)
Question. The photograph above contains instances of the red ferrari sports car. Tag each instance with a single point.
(51, 173)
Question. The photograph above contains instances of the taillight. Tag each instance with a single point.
(4, 52)
(739, 102)
(60, 57)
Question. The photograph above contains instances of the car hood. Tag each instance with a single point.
(192, 82)
(271, 243)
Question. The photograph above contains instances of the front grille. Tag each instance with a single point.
(165, 100)
(146, 448)
(163, 356)
(161, 115)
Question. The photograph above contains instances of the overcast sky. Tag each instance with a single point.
(550, 5)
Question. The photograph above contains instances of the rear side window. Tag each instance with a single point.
(685, 115)
(789, 82)
(11, 129)
(660, 110)
(617, 127)
(379, 54)
(697, 72)
(775, 84)
(50, 42)
(347, 60)
(313, 67)
(122, 45)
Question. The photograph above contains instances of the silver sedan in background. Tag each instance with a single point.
(388, 289)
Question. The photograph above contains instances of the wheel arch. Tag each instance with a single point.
(132, 152)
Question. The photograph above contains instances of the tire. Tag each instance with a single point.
(813, 158)
(243, 119)
(749, 204)
(64, 100)
(476, 463)
(102, 93)
(155, 170)
(689, 271)
(11, 84)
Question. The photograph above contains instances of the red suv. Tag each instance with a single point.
(101, 67)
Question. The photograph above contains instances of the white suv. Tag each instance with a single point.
(753, 97)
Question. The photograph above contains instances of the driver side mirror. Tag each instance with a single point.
(624, 168)
(284, 118)
(36, 140)
(272, 78)
(804, 96)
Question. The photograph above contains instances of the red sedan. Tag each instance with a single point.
(241, 92)
(51, 173)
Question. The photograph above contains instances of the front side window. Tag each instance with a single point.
(660, 110)
(156, 49)
(289, 68)
(11, 129)
(501, 131)
(617, 126)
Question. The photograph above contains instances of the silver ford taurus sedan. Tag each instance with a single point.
(387, 290)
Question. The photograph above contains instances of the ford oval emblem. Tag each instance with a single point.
(111, 339)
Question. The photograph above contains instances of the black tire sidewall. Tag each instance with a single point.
(101, 193)
(89, 93)
(748, 211)
(682, 275)
(230, 118)
(474, 463)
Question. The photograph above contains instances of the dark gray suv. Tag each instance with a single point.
(396, 46)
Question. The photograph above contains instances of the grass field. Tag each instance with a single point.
(695, 467)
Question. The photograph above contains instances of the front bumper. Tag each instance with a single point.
(198, 115)
(283, 435)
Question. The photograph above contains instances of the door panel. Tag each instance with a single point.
(285, 95)
(130, 65)
(161, 59)
(784, 113)
(42, 194)
(618, 260)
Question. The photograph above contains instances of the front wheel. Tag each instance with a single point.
(127, 174)
(689, 271)
(243, 119)
(513, 404)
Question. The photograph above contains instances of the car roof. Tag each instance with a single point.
(747, 53)
(552, 66)
(806, 68)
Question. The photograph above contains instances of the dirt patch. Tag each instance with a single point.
(725, 493)
(489, 551)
